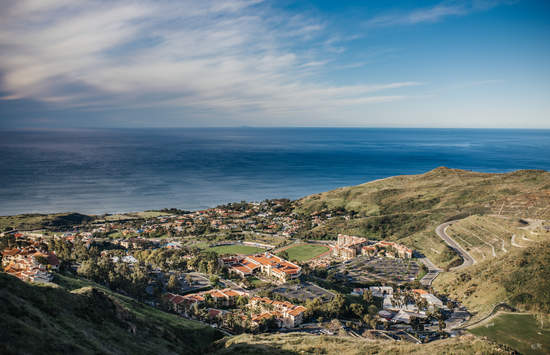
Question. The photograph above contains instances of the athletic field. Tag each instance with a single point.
(236, 249)
(304, 252)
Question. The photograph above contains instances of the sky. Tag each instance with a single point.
(158, 63)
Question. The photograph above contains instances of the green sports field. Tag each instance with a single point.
(304, 252)
(519, 331)
(236, 249)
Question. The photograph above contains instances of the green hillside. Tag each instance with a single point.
(518, 278)
(519, 331)
(299, 343)
(52, 320)
(408, 208)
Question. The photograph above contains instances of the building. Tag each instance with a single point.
(272, 265)
(287, 314)
(182, 304)
(240, 265)
(430, 298)
(348, 247)
(29, 264)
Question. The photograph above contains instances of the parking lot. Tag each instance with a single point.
(367, 269)
(304, 291)
(199, 282)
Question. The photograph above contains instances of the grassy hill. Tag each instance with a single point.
(408, 208)
(518, 277)
(299, 343)
(39, 221)
(52, 320)
(519, 331)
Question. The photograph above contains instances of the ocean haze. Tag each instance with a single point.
(122, 170)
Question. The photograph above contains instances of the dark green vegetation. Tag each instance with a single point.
(90, 320)
(408, 208)
(522, 332)
(299, 343)
(39, 221)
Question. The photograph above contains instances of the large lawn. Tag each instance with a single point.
(304, 252)
(519, 331)
(236, 249)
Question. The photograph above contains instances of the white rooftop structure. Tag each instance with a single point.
(381, 291)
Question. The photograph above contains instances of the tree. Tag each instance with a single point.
(357, 309)
(41, 260)
(173, 283)
(283, 255)
(441, 324)
(373, 310)
(336, 306)
(367, 297)
(214, 279)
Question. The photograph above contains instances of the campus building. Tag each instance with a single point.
(348, 247)
(272, 265)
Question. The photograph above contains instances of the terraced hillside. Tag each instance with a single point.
(88, 320)
(518, 277)
(486, 237)
(408, 208)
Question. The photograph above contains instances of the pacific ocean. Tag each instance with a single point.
(122, 170)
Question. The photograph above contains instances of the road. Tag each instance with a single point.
(432, 273)
(441, 232)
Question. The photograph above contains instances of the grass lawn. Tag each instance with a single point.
(519, 331)
(236, 249)
(257, 282)
(304, 252)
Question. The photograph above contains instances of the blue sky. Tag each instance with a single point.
(97, 63)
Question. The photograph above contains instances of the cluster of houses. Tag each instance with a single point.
(400, 308)
(348, 247)
(29, 264)
(286, 314)
(283, 313)
(182, 304)
(266, 263)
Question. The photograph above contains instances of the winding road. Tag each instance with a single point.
(441, 232)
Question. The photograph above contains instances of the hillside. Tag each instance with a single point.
(518, 278)
(38, 221)
(299, 343)
(52, 320)
(408, 208)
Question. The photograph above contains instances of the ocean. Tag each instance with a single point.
(123, 170)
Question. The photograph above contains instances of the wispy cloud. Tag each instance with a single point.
(236, 56)
(435, 13)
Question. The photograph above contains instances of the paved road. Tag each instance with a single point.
(468, 259)
(432, 273)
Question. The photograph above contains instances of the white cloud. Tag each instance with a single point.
(435, 13)
(230, 57)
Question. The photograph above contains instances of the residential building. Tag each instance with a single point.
(348, 247)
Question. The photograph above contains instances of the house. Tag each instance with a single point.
(294, 317)
(182, 304)
(28, 264)
(287, 314)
